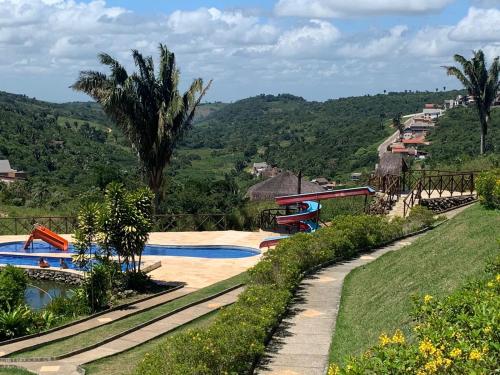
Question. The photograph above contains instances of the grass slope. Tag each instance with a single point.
(98, 334)
(13, 371)
(377, 298)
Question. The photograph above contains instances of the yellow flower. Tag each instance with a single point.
(398, 337)
(431, 367)
(447, 362)
(426, 347)
(333, 369)
(487, 329)
(384, 339)
(490, 284)
(475, 355)
(455, 353)
(428, 298)
(497, 278)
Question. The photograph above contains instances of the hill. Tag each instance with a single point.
(455, 141)
(328, 138)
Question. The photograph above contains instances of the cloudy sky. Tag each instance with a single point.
(318, 49)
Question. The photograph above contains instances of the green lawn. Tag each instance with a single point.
(13, 371)
(376, 298)
(98, 334)
(125, 363)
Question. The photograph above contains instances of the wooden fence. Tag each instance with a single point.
(162, 223)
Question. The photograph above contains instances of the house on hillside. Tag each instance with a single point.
(449, 104)
(7, 174)
(258, 168)
(432, 113)
(356, 176)
(321, 181)
(285, 183)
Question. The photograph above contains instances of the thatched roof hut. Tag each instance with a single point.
(390, 164)
(285, 183)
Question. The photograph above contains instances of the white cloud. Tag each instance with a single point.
(309, 39)
(479, 25)
(388, 45)
(433, 42)
(349, 8)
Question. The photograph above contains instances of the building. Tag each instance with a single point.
(432, 113)
(258, 168)
(7, 174)
(321, 181)
(449, 104)
(356, 176)
(285, 183)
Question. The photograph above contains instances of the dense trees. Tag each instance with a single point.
(147, 106)
(481, 83)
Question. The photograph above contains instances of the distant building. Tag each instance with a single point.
(286, 183)
(321, 181)
(258, 168)
(356, 176)
(449, 104)
(432, 113)
(7, 174)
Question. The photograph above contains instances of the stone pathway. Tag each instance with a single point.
(93, 323)
(302, 343)
(69, 366)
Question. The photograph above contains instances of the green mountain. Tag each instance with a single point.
(329, 138)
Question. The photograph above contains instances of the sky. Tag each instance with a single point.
(317, 49)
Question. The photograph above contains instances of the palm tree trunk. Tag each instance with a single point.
(484, 129)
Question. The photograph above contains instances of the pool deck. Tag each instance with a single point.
(195, 272)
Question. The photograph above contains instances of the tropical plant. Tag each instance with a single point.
(15, 322)
(146, 106)
(86, 233)
(481, 83)
(13, 282)
(488, 188)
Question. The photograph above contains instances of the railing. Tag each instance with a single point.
(161, 223)
(389, 184)
(451, 183)
(269, 222)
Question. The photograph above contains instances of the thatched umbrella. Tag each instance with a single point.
(285, 183)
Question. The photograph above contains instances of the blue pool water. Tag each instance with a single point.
(217, 252)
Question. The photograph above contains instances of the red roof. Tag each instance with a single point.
(415, 141)
(429, 106)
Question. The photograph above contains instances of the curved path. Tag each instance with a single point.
(106, 318)
(69, 366)
(302, 343)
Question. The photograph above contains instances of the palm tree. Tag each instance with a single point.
(481, 83)
(147, 106)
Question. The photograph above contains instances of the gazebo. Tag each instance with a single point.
(285, 183)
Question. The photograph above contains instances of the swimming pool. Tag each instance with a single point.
(213, 252)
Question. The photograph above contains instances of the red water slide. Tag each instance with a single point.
(45, 234)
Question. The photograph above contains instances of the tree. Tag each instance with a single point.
(147, 106)
(481, 83)
(396, 122)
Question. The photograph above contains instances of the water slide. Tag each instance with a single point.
(309, 208)
(45, 234)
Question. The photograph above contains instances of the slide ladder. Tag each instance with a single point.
(45, 234)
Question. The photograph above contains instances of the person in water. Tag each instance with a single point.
(42, 263)
(63, 264)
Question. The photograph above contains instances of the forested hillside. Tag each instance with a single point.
(66, 149)
(455, 141)
(322, 139)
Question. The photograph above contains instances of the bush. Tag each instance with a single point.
(488, 188)
(458, 335)
(236, 339)
(13, 282)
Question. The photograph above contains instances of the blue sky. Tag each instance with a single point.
(318, 49)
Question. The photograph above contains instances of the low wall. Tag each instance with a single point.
(439, 205)
(62, 276)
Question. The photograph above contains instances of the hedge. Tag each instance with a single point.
(236, 340)
(458, 335)
(488, 188)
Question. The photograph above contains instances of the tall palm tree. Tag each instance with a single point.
(481, 83)
(147, 106)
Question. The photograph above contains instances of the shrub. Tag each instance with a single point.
(236, 339)
(488, 188)
(458, 335)
(421, 216)
(13, 282)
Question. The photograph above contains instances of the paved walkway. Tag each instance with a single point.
(69, 366)
(301, 345)
(95, 322)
